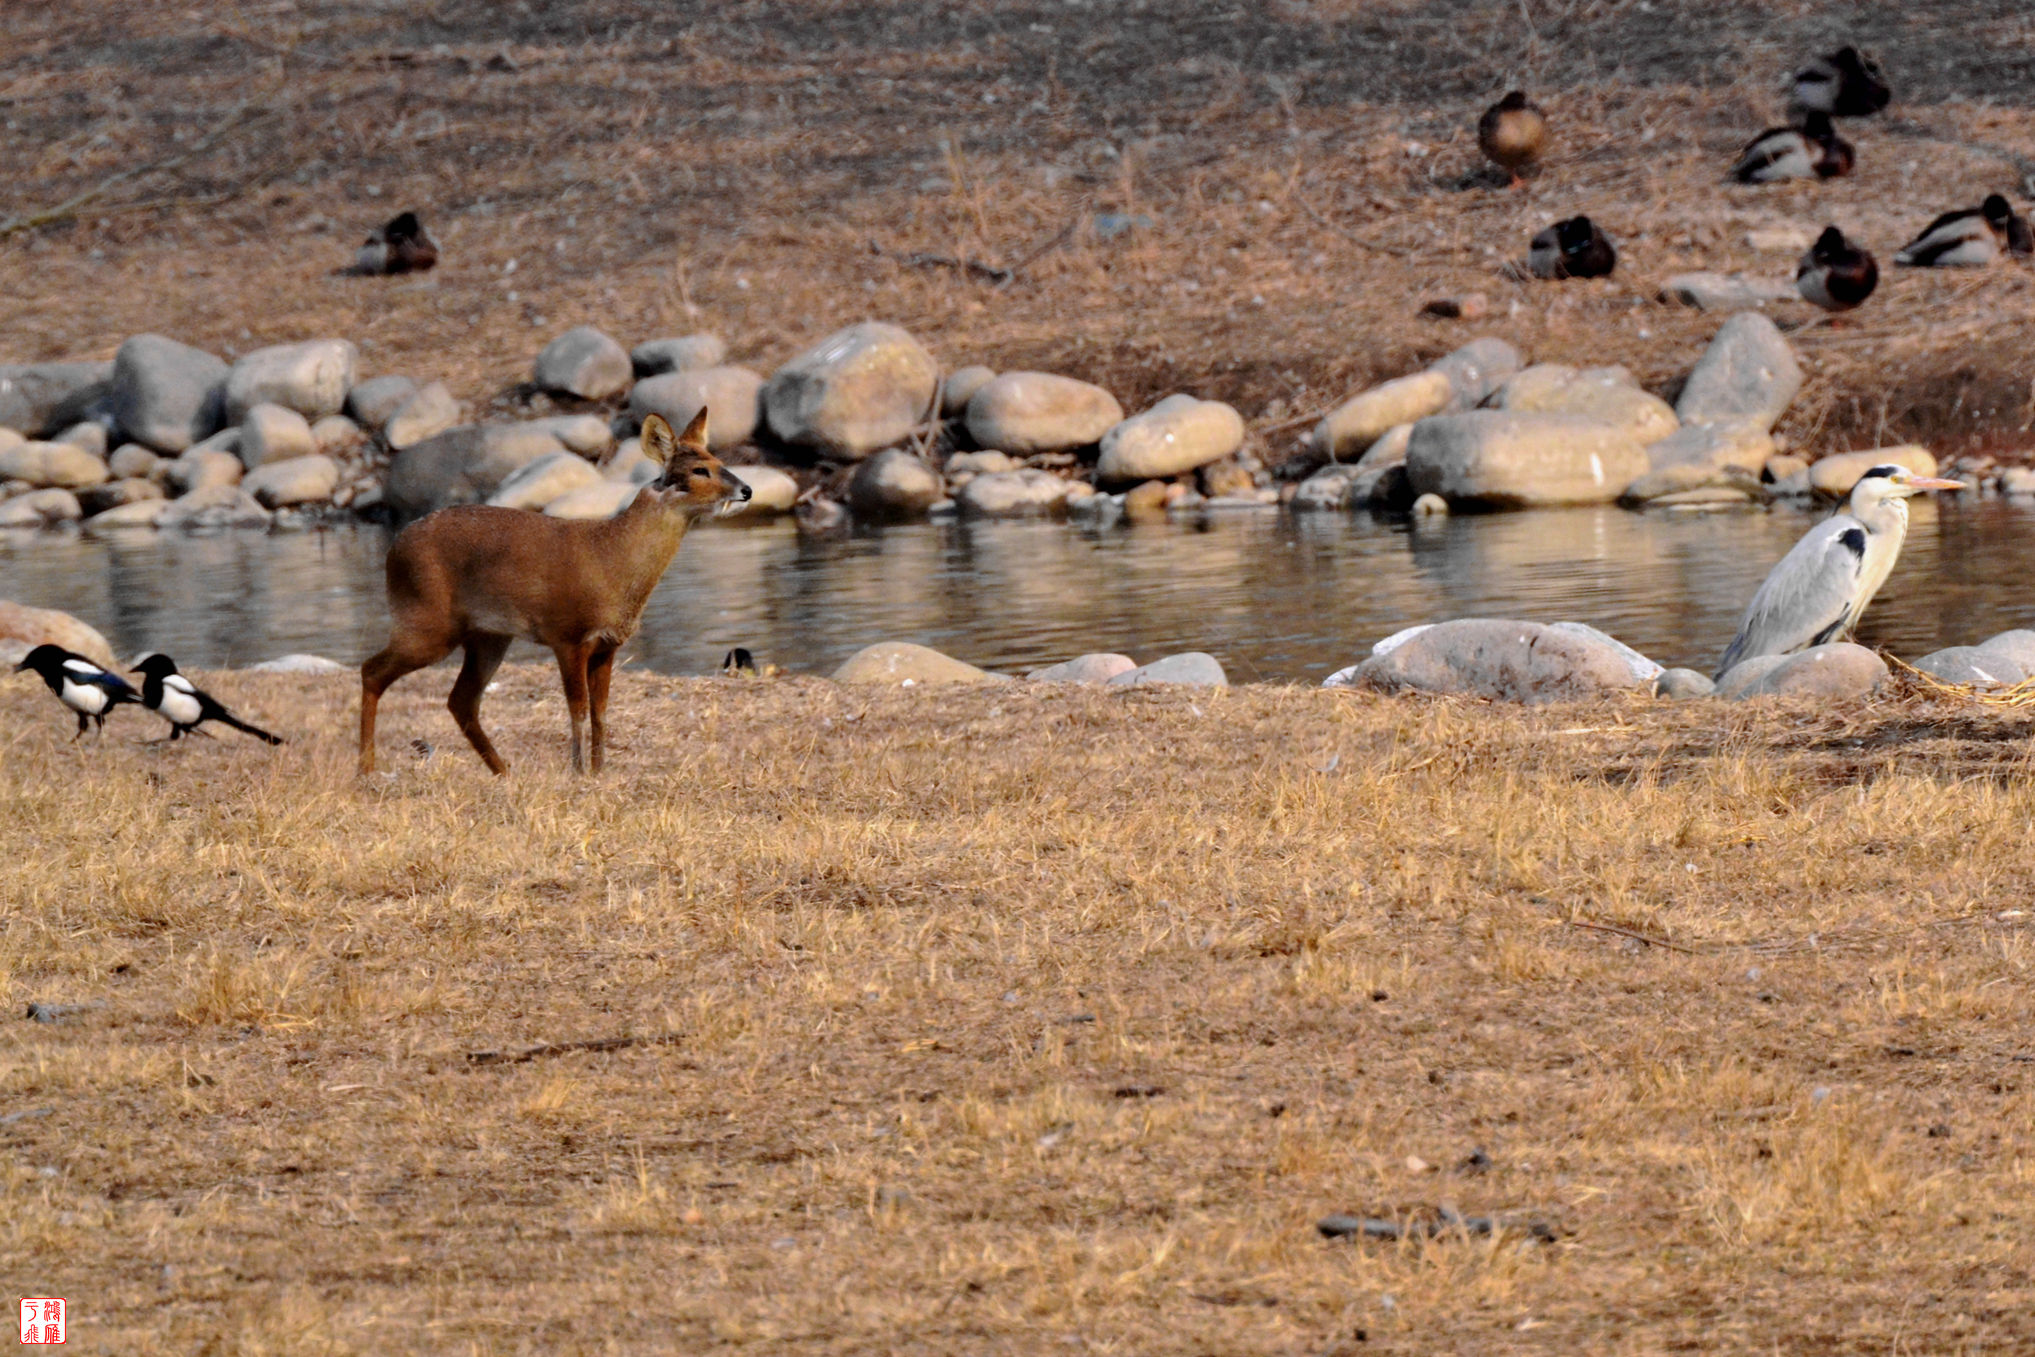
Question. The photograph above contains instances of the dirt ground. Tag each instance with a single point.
(1020, 1020)
(1250, 203)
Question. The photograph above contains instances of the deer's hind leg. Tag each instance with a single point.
(484, 651)
(406, 653)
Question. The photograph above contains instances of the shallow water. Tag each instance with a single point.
(1274, 596)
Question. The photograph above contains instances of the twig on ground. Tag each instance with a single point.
(63, 211)
(1632, 933)
(973, 268)
(552, 1048)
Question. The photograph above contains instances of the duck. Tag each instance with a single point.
(740, 663)
(1811, 149)
(1845, 84)
(1971, 238)
(401, 246)
(816, 515)
(1511, 134)
(87, 689)
(1836, 274)
(1575, 248)
(185, 706)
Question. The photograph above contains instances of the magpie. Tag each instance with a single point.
(186, 707)
(79, 684)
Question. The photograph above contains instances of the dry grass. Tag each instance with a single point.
(1015, 1020)
(1307, 167)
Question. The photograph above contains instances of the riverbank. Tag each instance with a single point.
(1011, 1016)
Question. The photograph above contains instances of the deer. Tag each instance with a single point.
(478, 576)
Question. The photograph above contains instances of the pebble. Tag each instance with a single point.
(894, 486)
(89, 435)
(337, 436)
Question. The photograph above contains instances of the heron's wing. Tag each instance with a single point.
(1808, 596)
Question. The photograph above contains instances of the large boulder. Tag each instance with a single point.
(901, 662)
(894, 486)
(1510, 460)
(40, 508)
(1973, 665)
(655, 357)
(1476, 370)
(1178, 434)
(770, 491)
(425, 413)
(857, 390)
(1022, 413)
(62, 465)
(274, 433)
(1743, 444)
(538, 483)
(960, 388)
(23, 628)
(296, 480)
(1747, 375)
(38, 399)
(167, 395)
(1357, 423)
(1607, 395)
(1504, 660)
(585, 363)
(311, 378)
(1836, 671)
(731, 396)
(1837, 474)
(374, 401)
(1189, 669)
(463, 465)
(1026, 493)
(602, 499)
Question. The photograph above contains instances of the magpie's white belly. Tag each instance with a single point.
(85, 697)
(181, 708)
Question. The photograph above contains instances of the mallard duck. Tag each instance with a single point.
(1575, 248)
(739, 663)
(1969, 239)
(1844, 84)
(1511, 133)
(402, 246)
(1811, 150)
(1836, 275)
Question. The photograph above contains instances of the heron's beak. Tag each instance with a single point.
(1919, 483)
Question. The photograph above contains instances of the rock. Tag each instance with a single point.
(1360, 421)
(1476, 370)
(960, 387)
(1013, 494)
(857, 390)
(1747, 375)
(89, 435)
(1681, 685)
(894, 486)
(1782, 465)
(978, 464)
(1504, 660)
(1743, 445)
(1227, 479)
(1835, 475)
(731, 397)
(1973, 665)
(1178, 434)
(1508, 459)
(536, 484)
(167, 395)
(311, 378)
(1190, 669)
(273, 433)
(1725, 291)
(602, 499)
(770, 491)
(463, 465)
(588, 435)
(37, 399)
(1603, 394)
(655, 357)
(2018, 481)
(1674, 483)
(336, 436)
(629, 464)
(1430, 506)
(900, 662)
(1469, 306)
(61, 465)
(202, 468)
(23, 628)
(1389, 450)
(585, 363)
(2017, 647)
(113, 494)
(40, 508)
(1838, 670)
(1022, 413)
(1096, 668)
(1332, 487)
(374, 402)
(139, 514)
(429, 412)
(301, 664)
(298, 480)
(1147, 503)
(219, 506)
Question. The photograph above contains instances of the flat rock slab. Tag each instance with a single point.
(1503, 660)
(901, 662)
(1093, 668)
(1191, 669)
(1837, 671)
(1508, 459)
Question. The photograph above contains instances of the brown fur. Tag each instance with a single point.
(476, 576)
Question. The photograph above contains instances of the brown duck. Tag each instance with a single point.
(1512, 133)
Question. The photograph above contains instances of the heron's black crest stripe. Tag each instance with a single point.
(1886, 469)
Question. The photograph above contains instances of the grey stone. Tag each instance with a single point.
(1389, 450)
(463, 465)
(1681, 685)
(1476, 370)
(1093, 512)
(1607, 395)
(978, 464)
(1643, 669)
(311, 378)
(131, 490)
(426, 413)
(218, 506)
(602, 499)
(274, 433)
(1178, 434)
(373, 402)
(1973, 665)
(588, 435)
(39, 508)
(1747, 375)
(1708, 291)
(731, 396)
(655, 357)
(1746, 445)
(23, 628)
(629, 464)
(202, 468)
(1838, 670)
(537, 483)
(584, 362)
(1357, 423)
(1503, 660)
(167, 395)
(1013, 494)
(136, 515)
(296, 480)
(1430, 505)
(1837, 474)
(1023, 413)
(300, 664)
(770, 491)
(1512, 460)
(857, 390)
(960, 388)
(336, 436)
(61, 465)
(1189, 669)
(88, 434)
(902, 663)
(37, 399)
(1332, 487)
(894, 486)
(1093, 668)
(2016, 646)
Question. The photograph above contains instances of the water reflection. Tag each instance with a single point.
(1273, 596)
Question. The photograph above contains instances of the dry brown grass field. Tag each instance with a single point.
(1023, 1020)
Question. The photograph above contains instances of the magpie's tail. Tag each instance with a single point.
(228, 718)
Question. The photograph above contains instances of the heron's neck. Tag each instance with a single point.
(1884, 517)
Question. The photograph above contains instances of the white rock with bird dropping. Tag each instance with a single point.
(1506, 459)
(1178, 434)
(857, 390)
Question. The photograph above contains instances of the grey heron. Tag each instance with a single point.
(1822, 585)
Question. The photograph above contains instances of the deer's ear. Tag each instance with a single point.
(695, 435)
(658, 444)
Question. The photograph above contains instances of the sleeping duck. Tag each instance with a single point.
(1511, 134)
(1971, 238)
(1812, 149)
(402, 246)
(1844, 84)
(1836, 275)
(1575, 248)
